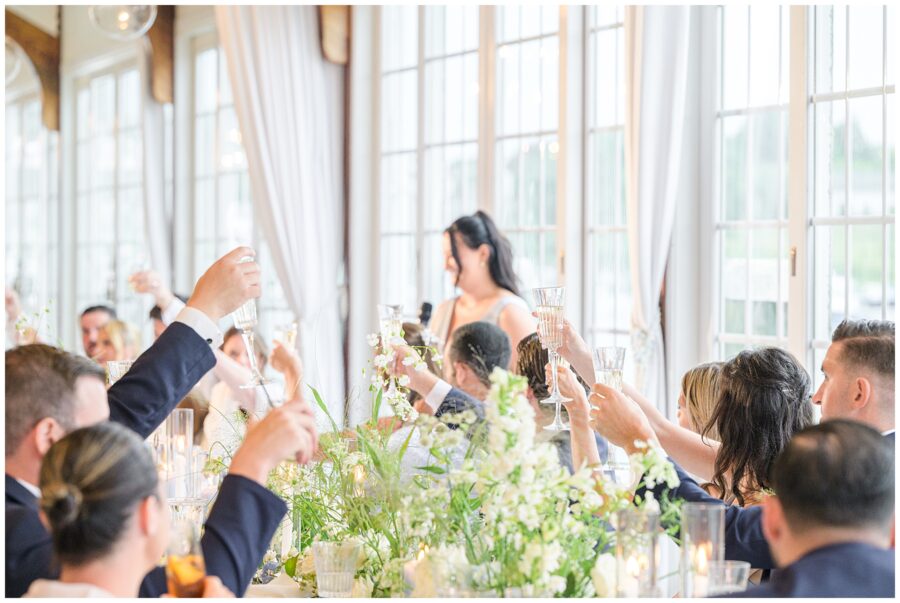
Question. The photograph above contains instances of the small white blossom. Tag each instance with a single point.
(421, 366)
(409, 360)
(403, 381)
(372, 339)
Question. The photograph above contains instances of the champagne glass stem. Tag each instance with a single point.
(554, 362)
(557, 421)
(248, 338)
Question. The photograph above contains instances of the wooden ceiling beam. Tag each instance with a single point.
(42, 50)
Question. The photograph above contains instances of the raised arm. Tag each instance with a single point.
(689, 449)
(167, 371)
(584, 444)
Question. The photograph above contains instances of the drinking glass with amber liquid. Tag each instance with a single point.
(185, 570)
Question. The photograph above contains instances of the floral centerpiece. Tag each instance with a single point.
(506, 519)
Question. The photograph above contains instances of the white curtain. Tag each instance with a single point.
(289, 103)
(657, 40)
(157, 215)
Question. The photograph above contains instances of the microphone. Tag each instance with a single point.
(425, 314)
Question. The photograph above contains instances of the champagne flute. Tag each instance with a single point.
(245, 321)
(609, 361)
(390, 317)
(550, 301)
(185, 569)
(287, 334)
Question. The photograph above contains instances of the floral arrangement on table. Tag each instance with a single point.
(507, 520)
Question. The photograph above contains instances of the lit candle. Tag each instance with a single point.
(630, 586)
(359, 477)
(700, 556)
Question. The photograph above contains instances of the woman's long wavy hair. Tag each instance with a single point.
(479, 229)
(764, 398)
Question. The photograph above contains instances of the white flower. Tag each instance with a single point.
(409, 360)
(421, 366)
(403, 381)
(381, 360)
(372, 339)
(437, 358)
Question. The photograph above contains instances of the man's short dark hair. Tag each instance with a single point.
(481, 346)
(867, 344)
(35, 390)
(100, 308)
(839, 473)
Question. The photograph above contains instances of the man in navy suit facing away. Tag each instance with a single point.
(829, 526)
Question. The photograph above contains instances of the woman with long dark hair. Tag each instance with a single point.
(479, 258)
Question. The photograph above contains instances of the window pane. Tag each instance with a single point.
(734, 42)
(734, 272)
(734, 168)
(866, 271)
(767, 165)
(866, 161)
(830, 159)
(765, 41)
(866, 51)
(398, 193)
(765, 272)
(399, 37)
(398, 271)
(398, 111)
(129, 99)
(205, 70)
(450, 29)
(831, 48)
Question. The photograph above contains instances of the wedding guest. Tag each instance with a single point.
(858, 374)
(233, 373)
(477, 349)
(117, 340)
(861, 384)
(830, 521)
(109, 526)
(93, 319)
(480, 261)
(108, 517)
(531, 364)
(221, 425)
(698, 397)
(43, 402)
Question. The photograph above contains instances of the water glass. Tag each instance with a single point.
(179, 449)
(335, 567)
(185, 568)
(637, 553)
(728, 577)
(115, 369)
(608, 365)
(702, 544)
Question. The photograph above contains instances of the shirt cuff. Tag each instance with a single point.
(436, 396)
(202, 324)
(170, 314)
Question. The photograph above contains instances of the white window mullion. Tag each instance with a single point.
(487, 69)
(799, 160)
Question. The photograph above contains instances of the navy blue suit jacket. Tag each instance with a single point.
(839, 570)
(240, 525)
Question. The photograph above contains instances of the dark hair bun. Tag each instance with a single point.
(61, 503)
